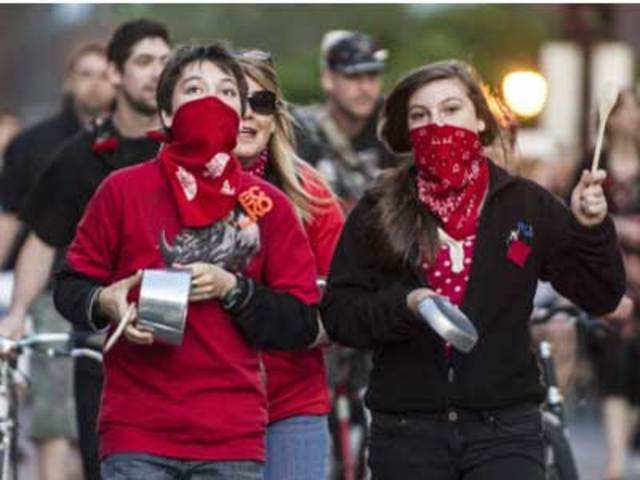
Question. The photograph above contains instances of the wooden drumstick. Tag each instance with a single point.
(607, 101)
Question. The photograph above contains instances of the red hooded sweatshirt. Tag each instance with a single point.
(203, 400)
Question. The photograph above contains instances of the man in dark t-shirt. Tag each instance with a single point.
(88, 95)
(339, 136)
(136, 53)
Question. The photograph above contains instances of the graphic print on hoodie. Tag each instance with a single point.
(230, 243)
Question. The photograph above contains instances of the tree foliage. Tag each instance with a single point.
(495, 38)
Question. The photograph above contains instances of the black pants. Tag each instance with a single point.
(458, 445)
(87, 390)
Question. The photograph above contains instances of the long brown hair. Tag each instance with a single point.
(284, 160)
(403, 224)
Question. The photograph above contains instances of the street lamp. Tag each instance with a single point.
(525, 92)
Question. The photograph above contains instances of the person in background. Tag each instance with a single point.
(136, 54)
(298, 397)
(88, 96)
(338, 136)
(616, 357)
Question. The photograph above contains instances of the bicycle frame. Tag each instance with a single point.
(8, 422)
(8, 395)
(555, 400)
(560, 460)
(343, 411)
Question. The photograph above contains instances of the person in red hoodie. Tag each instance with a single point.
(297, 435)
(198, 410)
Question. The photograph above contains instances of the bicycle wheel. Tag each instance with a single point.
(560, 462)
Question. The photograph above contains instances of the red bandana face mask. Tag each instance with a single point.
(198, 161)
(453, 176)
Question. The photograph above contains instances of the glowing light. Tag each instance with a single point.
(525, 92)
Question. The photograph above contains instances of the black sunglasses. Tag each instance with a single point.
(263, 102)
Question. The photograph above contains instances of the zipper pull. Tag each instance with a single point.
(451, 375)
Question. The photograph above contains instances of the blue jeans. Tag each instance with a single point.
(297, 448)
(142, 466)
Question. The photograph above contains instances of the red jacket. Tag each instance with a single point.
(204, 400)
(296, 381)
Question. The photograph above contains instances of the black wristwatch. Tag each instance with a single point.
(238, 297)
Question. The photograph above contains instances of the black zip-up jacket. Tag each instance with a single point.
(364, 305)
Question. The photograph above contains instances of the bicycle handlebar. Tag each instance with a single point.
(81, 352)
(75, 344)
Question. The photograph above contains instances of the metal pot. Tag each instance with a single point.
(164, 298)
(449, 322)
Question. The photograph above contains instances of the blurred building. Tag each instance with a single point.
(597, 48)
(36, 40)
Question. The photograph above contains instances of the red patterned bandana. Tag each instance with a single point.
(259, 165)
(453, 176)
(203, 172)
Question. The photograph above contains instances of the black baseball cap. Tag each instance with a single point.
(351, 53)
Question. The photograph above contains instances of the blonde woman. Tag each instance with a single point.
(297, 435)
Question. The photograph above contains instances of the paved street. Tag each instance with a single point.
(587, 438)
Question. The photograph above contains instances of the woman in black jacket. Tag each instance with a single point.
(452, 223)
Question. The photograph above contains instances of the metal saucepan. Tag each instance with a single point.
(449, 322)
(164, 297)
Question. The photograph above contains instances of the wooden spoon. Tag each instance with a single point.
(606, 102)
(124, 321)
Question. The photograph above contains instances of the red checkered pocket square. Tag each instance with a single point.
(518, 252)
